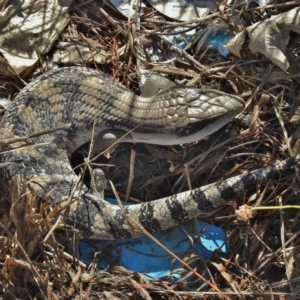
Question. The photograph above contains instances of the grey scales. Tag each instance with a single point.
(70, 103)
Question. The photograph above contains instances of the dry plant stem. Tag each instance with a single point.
(131, 173)
(77, 275)
(35, 274)
(67, 256)
(141, 291)
(193, 62)
(130, 30)
(112, 21)
(118, 198)
(146, 233)
(236, 75)
(188, 177)
(159, 67)
(175, 25)
(263, 243)
(265, 295)
(157, 32)
(197, 169)
(282, 238)
(182, 280)
(112, 145)
(272, 256)
(285, 134)
(71, 198)
(25, 138)
(255, 91)
(55, 225)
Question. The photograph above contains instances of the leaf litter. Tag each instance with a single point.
(264, 251)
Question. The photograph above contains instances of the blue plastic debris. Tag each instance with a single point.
(145, 256)
(218, 42)
(181, 40)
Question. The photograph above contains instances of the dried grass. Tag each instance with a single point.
(264, 255)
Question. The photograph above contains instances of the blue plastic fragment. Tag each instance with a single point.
(145, 256)
(218, 42)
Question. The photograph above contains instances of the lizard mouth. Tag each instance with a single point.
(196, 127)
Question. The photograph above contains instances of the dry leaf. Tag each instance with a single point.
(228, 278)
(269, 37)
(31, 31)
